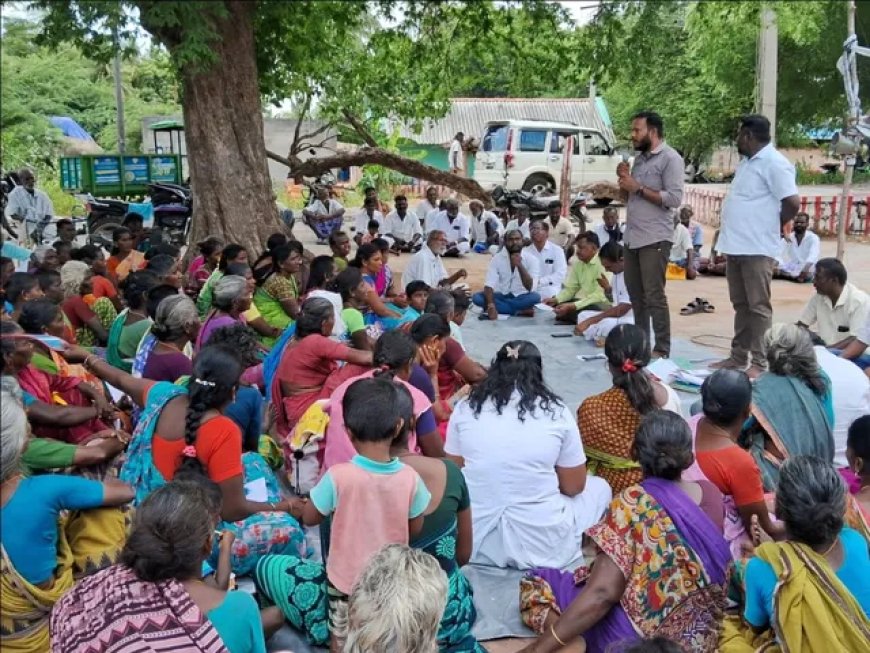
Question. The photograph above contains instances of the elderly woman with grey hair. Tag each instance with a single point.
(41, 550)
(397, 603)
(231, 297)
(792, 411)
(91, 322)
(812, 591)
(176, 324)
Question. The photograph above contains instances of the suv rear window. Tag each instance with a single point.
(533, 140)
(495, 139)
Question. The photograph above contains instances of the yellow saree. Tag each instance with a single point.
(813, 610)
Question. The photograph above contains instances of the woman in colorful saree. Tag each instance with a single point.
(811, 592)
(44, 548)
(370, 262)
(125, 257)
(726, 396)
(185, 427)
(609, 420)
(90, 323)
(792, 408)
(277, 295)
(308, 369)
(42, 317)
(662, 564)
(155, 599)
(17, 353)
(132, 323)
(232, 253)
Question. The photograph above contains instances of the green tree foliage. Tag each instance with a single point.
(40, 82)
(695, 64)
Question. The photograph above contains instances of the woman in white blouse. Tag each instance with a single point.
(523, 460)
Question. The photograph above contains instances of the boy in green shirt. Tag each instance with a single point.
(584, 287)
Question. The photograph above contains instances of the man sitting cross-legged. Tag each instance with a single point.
(511, 281)
(586, 284)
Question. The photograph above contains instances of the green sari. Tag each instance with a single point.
(268, 298)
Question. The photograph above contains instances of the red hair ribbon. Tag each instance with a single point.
(189, 451)
(628, 366)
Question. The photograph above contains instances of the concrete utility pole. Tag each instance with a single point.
(765, 69)
(119, 95)
(850, 159)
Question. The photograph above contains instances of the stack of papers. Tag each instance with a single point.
(667, 371)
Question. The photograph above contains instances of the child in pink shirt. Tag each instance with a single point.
(374, 500)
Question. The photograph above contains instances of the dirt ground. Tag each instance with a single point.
(712, 329)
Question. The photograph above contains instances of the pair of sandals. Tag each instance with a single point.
(699, 305)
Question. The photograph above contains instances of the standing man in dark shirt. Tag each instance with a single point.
(654, 186)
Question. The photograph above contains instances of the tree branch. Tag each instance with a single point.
(360, 128)
(379, 156)
(305, 104)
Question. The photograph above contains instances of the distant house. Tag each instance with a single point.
(277, 132)
(470, 115)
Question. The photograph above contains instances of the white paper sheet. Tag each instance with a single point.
(664, 369)
(544, 307)
(256, 491)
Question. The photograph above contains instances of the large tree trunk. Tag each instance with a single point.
(379, 156)
(223, 126)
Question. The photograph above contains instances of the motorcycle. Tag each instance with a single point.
(538, 204)
(171, 205)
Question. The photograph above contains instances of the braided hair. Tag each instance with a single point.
(212, 385)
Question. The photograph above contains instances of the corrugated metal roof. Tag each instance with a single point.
(469, 115)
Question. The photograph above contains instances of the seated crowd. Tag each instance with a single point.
(166, 434)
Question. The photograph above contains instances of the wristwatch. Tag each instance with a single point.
(639, 191)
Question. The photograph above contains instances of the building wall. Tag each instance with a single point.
(436, 156)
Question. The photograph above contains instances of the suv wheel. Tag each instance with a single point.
(539, 184)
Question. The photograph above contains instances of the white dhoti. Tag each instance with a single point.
(605, 326)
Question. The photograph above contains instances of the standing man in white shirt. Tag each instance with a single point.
(426, 265)
(682, 251)
(552, 265)
(31, 206)
(800, 252)
(511, 281)
(486, 228)
(561, 230)
(427, 206)
(597, 325)
(763, 197)
(366, 214)
(457, 155)
(403, 227)
(324, 215)
(455, 225)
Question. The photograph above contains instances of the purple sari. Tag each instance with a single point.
(696, 531)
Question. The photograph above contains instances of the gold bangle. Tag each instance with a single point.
(555, 636)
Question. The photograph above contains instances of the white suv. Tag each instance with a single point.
(527, 155)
